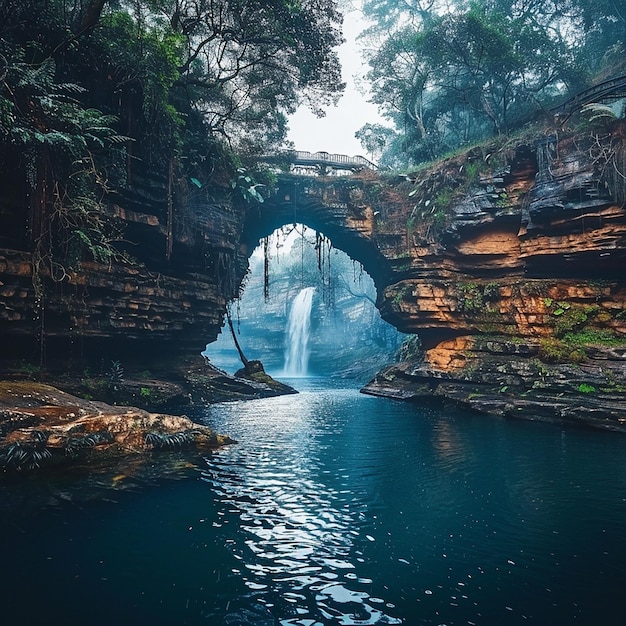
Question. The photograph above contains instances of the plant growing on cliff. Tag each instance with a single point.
(411, 349)
(27, 455)
(553, 350)
(159, 441)
(469, 297)
(65, 144)
(247, 187)
(114, 378)
(586, 388)
(74, 444)
(400, 295)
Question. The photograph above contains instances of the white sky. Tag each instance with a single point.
(335, 132)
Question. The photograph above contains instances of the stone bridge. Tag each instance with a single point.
(325, 163)
(334, 206)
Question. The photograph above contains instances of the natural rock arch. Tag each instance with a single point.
(335, 208)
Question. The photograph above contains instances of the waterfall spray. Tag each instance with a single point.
(298, 327)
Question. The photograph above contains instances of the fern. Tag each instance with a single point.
(596, 111)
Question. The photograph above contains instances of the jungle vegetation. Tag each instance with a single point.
(95, 93)
(449, 73)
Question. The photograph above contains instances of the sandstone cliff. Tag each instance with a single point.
(507, 261)
(513, 275)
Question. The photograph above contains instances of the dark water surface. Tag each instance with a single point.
(334, 508)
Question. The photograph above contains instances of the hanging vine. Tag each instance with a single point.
(323, 247)
(301, 237)
(266, 268)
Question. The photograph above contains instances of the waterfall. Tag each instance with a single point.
(297, 352)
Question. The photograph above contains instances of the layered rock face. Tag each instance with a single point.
(168, 299)
(507, 261)
(514, 280)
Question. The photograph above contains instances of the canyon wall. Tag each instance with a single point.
(507, 261)
(166, 296)
(513, 275)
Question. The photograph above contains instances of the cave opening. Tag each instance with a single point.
(296, 272)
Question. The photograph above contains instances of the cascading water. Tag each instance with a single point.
(298, 328)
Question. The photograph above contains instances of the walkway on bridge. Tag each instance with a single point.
(321, 162)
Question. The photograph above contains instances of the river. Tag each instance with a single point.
(334, 508)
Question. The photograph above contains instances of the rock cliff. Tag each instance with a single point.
(512, 274)
(507, 261)
(170, 295)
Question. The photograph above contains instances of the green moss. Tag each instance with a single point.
(554, 350)
(586, 388)
(571, 346)
(591, 336)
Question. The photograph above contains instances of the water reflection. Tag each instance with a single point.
(298, 552)
(334, 508)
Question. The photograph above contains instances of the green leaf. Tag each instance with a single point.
(196, 182)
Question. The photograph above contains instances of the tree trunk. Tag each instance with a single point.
(242, 356)
(91, 16)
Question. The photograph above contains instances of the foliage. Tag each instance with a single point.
(452, 72)
(247, 186)
(65, 146)
(594, 336)
(157, 440)
(74, 444)
(586, 388)
(573, 333)
(553, 350)
(26, 454)
(91, 91)
(469, 297)
(566, 318)
(400, 295)
(491, 292)
(114, 377)
(374, 138)
(248, 63)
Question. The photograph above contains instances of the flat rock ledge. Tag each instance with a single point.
(502, 378)
(42, 425)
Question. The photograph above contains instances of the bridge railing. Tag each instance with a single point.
(332, 159)
(323, 159)
(609, 89)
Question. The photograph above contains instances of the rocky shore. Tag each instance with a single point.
(42, 425)
(498, 376)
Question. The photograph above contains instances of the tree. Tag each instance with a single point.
(451, 73)
(187, 81)
(248, 63)
(374, 138)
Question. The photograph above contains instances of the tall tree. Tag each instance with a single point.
(452, 72)
(182, 85)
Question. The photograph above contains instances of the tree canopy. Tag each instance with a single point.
(450, 72)
(92, 90)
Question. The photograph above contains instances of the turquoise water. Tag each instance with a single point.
(333, 508)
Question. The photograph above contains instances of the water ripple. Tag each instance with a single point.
(297, 554)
